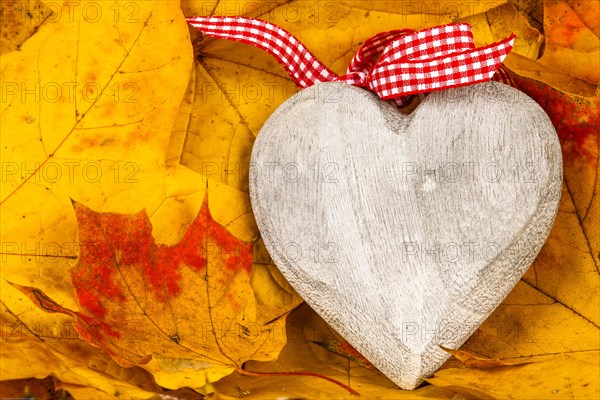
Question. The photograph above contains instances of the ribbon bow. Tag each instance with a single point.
(391, 64)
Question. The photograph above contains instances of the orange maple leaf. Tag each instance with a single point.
(141, 299)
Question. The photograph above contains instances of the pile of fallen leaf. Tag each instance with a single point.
(126, 139)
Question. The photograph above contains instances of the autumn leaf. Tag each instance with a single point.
(189, 306)
(83, 117)
(500, 22)
(575, 118)
(20, 20)
(572, 38)
(551, 316)
(26, 352)
(554, 309)
(32, 388)
(567, 376)
(338, 345)
(564, 376)
(569, 59)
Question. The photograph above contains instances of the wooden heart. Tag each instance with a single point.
(405, 232)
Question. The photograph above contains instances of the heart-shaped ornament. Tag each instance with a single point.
(405, 232)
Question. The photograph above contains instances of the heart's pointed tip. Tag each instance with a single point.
(410, 385)
(416, 367)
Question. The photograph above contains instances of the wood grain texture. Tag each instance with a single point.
(405, 232)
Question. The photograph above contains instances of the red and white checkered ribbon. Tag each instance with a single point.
(391, 64)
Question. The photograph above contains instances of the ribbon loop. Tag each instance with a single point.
(372, 48)
(461, 68)
(367, 57)
(430, 43)
(392, 64)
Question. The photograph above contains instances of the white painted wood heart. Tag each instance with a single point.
(405, 232)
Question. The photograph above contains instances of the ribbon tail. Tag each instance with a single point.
(497, 52)
(407, 76)
(302, 66)
(430, 43)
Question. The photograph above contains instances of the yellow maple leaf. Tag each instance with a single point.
(88, 104)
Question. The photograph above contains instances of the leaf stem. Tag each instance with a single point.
(315, 375)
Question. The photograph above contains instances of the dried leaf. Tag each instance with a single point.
(32, 388)
(189, 308)
(554, 309)
(571, 50)
(568, 376)
(54, 348)
(500, 22)
(572, 46)
(340, 346)
(20, 20)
